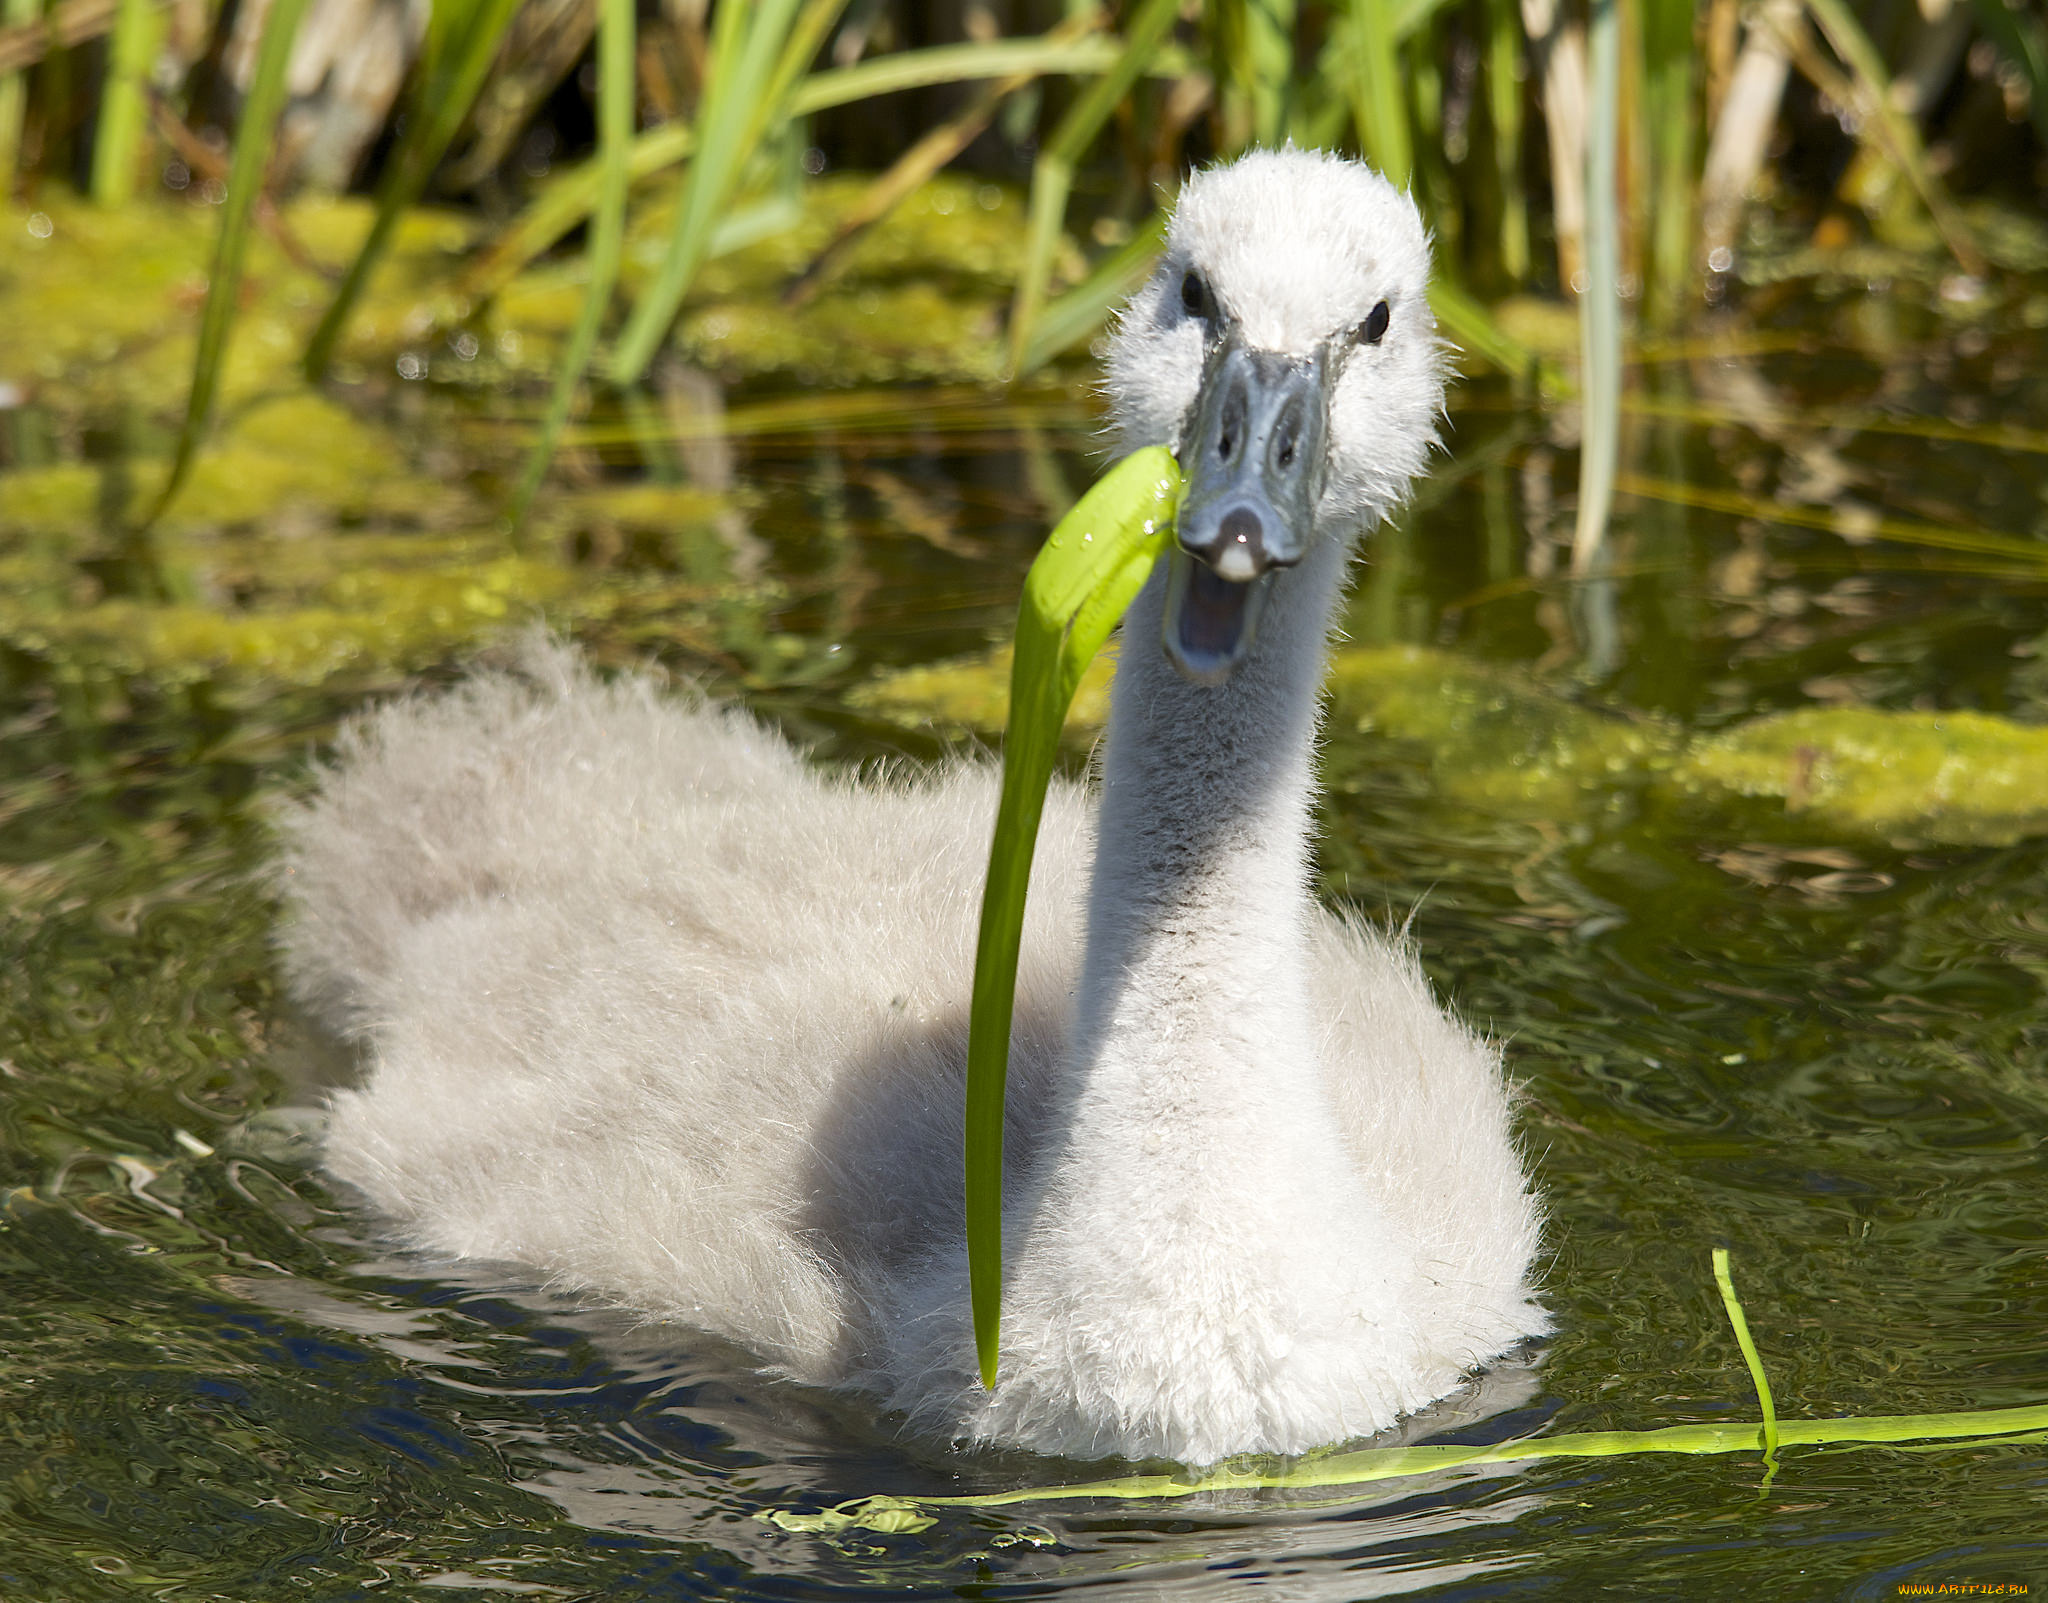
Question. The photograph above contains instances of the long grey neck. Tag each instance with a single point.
(1197, 962)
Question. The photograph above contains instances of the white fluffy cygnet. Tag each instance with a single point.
(655, 1007)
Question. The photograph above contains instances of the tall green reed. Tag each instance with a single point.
(463, 38)
(124, 106)
(757, 52)
(1052, 175)
(266, 98)
(615, 36)
(1406, 82)
(1600, 303)
(14, 91)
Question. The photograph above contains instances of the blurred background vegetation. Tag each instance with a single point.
(605, 189)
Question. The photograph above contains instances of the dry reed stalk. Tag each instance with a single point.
(1742, 131)
(1559, 48)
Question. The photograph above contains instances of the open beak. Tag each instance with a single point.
(1253, 451)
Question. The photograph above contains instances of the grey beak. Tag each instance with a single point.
(1253, 451)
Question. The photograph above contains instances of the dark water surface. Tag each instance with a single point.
(1825, 1050)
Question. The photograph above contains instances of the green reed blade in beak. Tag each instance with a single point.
(1081, 584)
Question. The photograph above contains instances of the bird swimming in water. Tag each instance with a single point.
(655, 1007)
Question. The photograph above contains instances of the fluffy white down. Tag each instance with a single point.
(655, 1007)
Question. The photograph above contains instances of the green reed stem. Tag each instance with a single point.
(1667, 30)
(1505, 48)
(13, 92)
(1053, 173)
(752, 63)
(124, 109)
(463, 41)
(1600, 305)
(1733, 1305)
(268, 92)
(1269, 66)
(615, 40)
(1379, 102)
(1897, 131)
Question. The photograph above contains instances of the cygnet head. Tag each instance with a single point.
(1285, 351)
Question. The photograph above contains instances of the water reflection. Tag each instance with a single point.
(1737, 1023)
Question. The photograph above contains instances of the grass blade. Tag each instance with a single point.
(749, 45)
(1042, 57)
(615, 40)
(918, 163)
(1078, 588)
(1053, 174)
(1974, 1428)
(268, 91)
(1600, 306)
(2030, 554)
(567, 200)
(1733, 1304)
(1668, 109)
(1474, 329)
(1379, 104)
(13, 91)
(1897, 132)
(2022, 38)
(1504, 49)
(463, 41)
(124, 111)
(1080, 312)
(563, 203)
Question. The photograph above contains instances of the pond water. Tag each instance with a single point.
(1783, 1020)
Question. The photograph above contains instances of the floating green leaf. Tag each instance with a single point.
(1986, 1427)
(1078, 588)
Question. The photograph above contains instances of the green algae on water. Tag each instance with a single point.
(1946, 778)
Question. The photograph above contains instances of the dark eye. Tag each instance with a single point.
(1375, 324)
(1194, 295)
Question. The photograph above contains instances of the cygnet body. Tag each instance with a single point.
(654, 1007)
